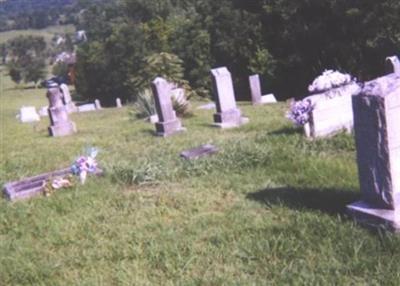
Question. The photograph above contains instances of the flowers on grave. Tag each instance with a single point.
(54, 184)
(328, 80)
(330, 84)
(333, 83)
(299, 112)
(85, 164)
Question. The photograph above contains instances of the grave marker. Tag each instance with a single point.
(87, 107)
(228, 115)
(118, 103)
(60, 125)
(257, 98)
(331, 114)
(201, 151)
(377, 135)
(395, 64)
(67, 99)
(97, 104)
(28, 114)
(168, 123)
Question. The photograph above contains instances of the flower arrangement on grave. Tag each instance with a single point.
(299, 112)
(333, 83)
(85, 164)
(57, 183)
(330, 84)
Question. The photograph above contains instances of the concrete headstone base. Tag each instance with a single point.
(165, 129)
(64, 129)
(229, 119)
(228, 125)
(71, 107)
(265, 99)
(373, 217)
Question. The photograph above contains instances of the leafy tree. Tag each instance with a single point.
(3, 53)
(60, 70)
(168, 66)
(284, 41)
(14, 72)
(27, 59)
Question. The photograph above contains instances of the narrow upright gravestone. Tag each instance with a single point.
(97, 104)
(168, 123)
(118, 103)
(257, 98)
(60, 125)
(228, 115)
(67, 99)
(377, 133)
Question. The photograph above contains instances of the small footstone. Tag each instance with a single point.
(201, 151)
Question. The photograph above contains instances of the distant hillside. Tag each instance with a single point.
(35, 14)
(9, 7)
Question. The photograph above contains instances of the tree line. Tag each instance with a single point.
(287, 42)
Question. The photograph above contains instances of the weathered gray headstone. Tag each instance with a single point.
(257, 98)
(255, 89)
(228, 115)
(168, 123)
(118, 103)
(60, 125)
(97, 104)
(201, 151)
(67, 99)
(377, 134)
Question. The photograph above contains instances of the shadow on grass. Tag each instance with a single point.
(150, 132)
(287, 131)
(330, 201)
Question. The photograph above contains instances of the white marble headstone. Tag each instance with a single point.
(28, 114)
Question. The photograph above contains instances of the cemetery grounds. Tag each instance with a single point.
(267, 209)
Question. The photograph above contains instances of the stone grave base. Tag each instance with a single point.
(229, 119)
(266, 99)
(169, 128)
(62, 129)
(310, 133)
(373, 217)
(71, 107)
(33, 186)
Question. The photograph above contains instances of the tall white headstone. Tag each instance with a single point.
(228, 114)
(168, 123)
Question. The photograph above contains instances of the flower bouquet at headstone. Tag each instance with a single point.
(85, 165)
(327, 86)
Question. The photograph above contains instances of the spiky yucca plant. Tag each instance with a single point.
(144, 106)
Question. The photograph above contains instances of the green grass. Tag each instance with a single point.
(47, 33)
(268, 209)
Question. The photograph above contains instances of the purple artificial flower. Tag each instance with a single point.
(300, 111)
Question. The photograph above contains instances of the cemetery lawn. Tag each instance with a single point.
(268, 209)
